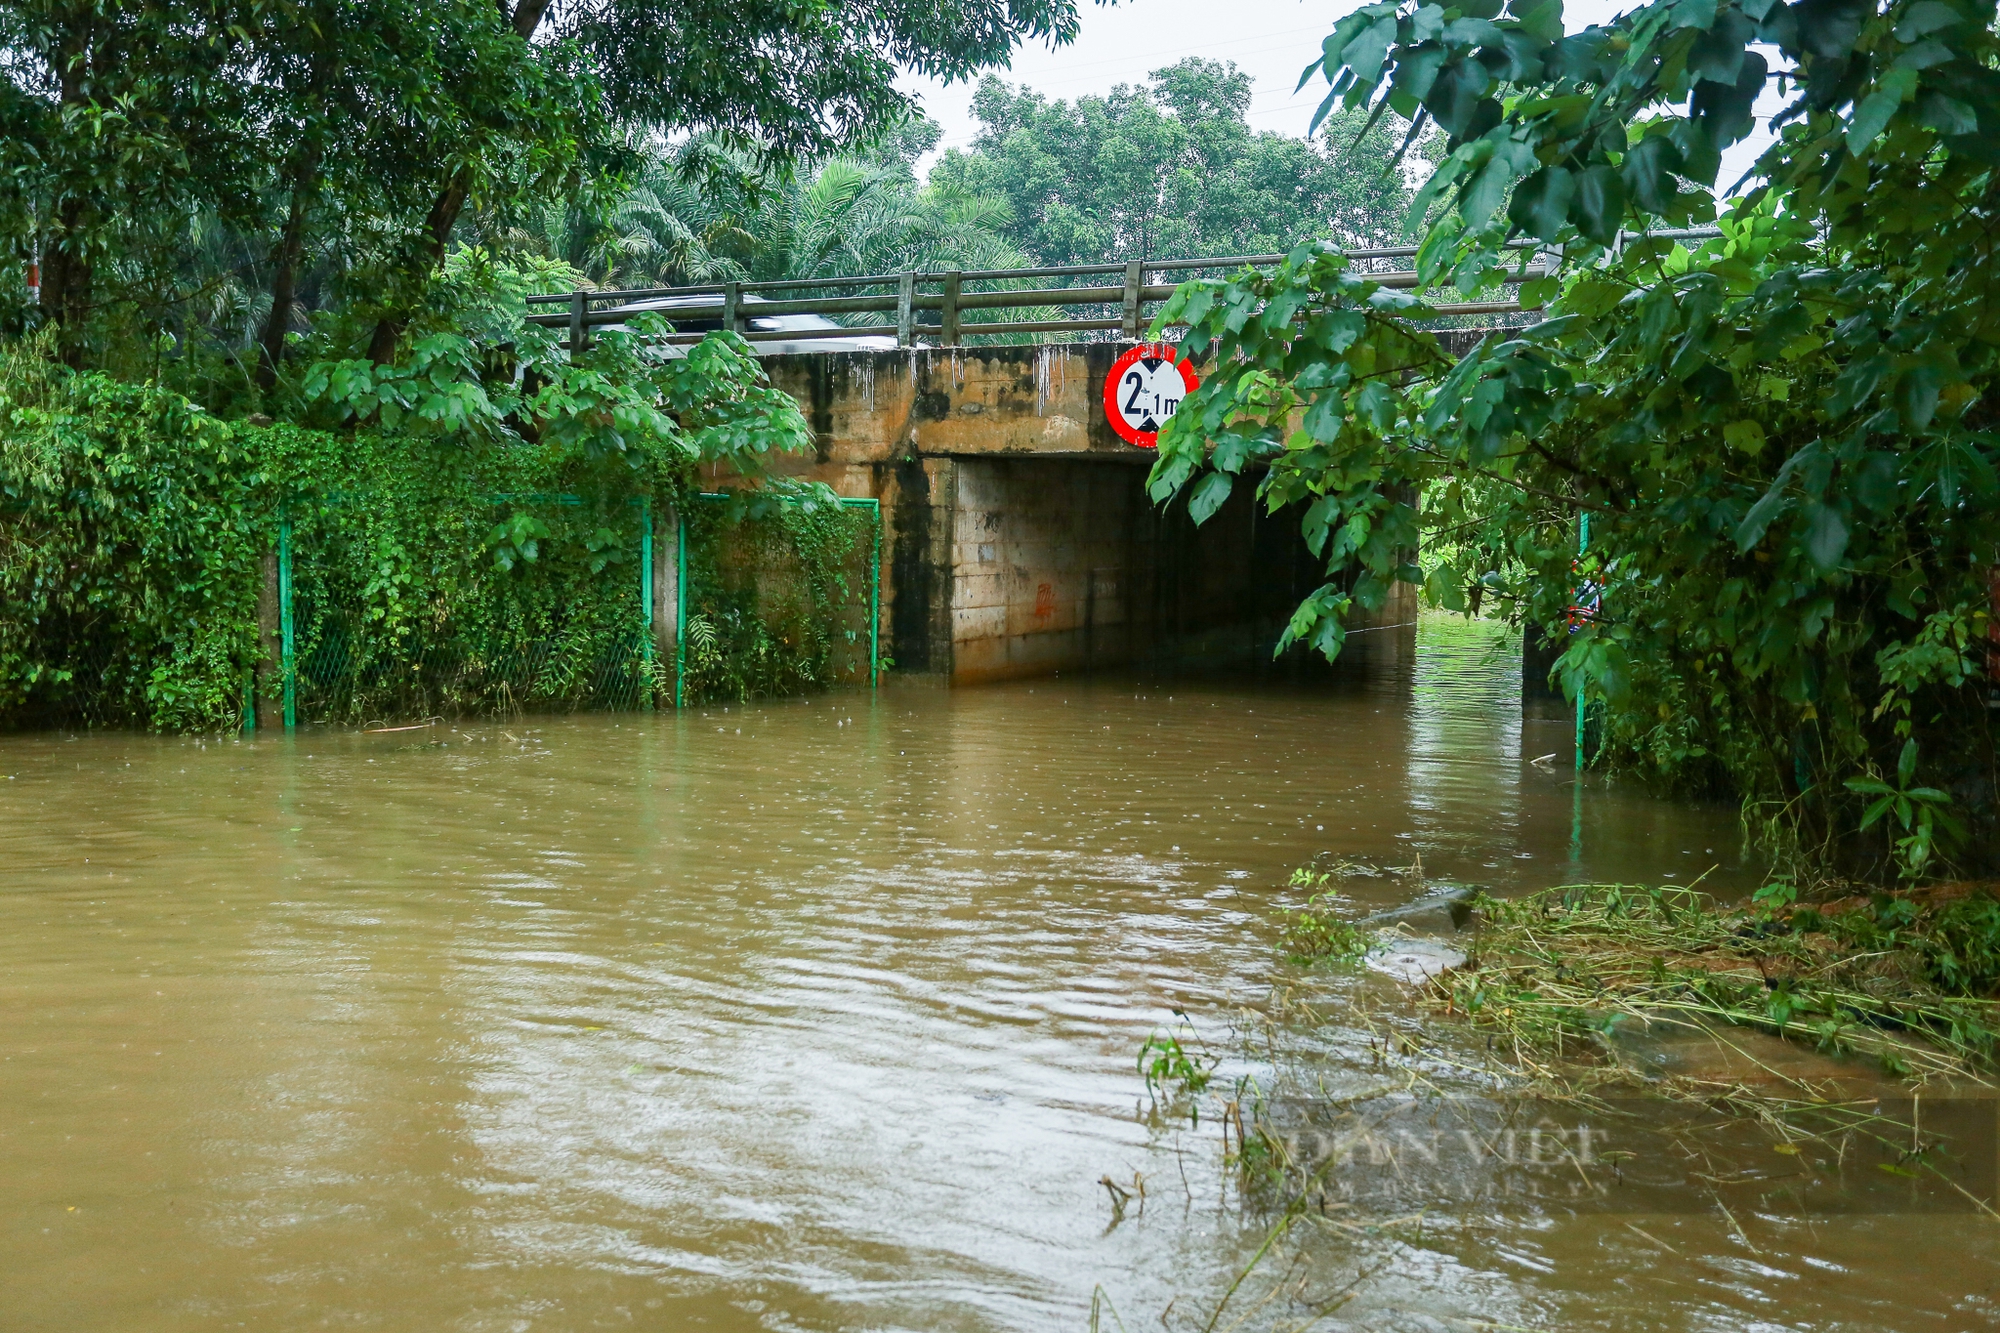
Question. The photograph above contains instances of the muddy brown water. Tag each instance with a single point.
(809, 1015)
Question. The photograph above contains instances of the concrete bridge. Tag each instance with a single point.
(1019, 537)
(1019, 540)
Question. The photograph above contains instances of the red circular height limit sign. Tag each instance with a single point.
(1144, 388)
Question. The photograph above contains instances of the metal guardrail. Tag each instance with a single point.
(912, 296)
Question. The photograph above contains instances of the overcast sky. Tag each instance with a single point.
(1270, 40)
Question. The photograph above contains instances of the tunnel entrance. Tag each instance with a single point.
(1019, 538)
(1041, 566)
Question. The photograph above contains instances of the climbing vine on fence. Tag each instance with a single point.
(437, 567)
(130, 532)
(777, 595)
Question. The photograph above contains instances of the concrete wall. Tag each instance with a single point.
(1018, 538)
(1053, 567)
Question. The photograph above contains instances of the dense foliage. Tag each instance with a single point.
(778, 595)
(1783, 439)
(153, 154)
(698, 212)
(1171, 170)
(131, 530)
(419, 494)
(328, 212)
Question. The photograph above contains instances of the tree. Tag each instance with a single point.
(702, 212)
(1783, 440)
(431, 80)
(112, 116)
(787, 80)
(1170, 170)
(340, 144)
(160, 155)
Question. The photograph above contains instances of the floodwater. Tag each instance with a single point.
(809, 1015)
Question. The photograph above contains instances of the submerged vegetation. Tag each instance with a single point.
(1906, 979)
(1562, 979)
(1317, 929)
(1606, 1051)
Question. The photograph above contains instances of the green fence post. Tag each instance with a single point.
(288, 666)
(680, 608)
(1582, 545)
(875, 606)
(646, 600)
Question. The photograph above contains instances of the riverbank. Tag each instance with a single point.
(1579, 984)
(1904, 979)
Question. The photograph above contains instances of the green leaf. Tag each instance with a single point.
(1416, 72)
(1917, 395)
(1826, 535)
(1744, 436)
(1208, 495)
(1871, 118)
(1367, 53)
(1717, 54)
(1486, 189)
(1325, 417)
(1541, 203)
(1598, 209)
(1648, 172)
(1926, 17)
(1946, 115)
(1376, 403)
(1537, 292)
(1542, 19)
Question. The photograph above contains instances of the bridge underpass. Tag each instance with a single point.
(1018, 537)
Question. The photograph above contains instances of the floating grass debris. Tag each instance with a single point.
(1897, 977)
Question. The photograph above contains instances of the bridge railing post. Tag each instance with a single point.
(1135, 280)
(883, 293)
(948, 336)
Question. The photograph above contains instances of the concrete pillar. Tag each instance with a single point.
(269, 676)
(920, 512)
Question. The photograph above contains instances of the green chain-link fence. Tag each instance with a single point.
(546, 613)
(546, 604)
(777, 597)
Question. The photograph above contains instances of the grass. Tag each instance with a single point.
(1903, 978)
(1319, 928)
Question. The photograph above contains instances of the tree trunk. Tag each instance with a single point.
(436, 232)
(66, 281)
(66, 271)
(528, 17)
(284, 272)
(444, 213)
